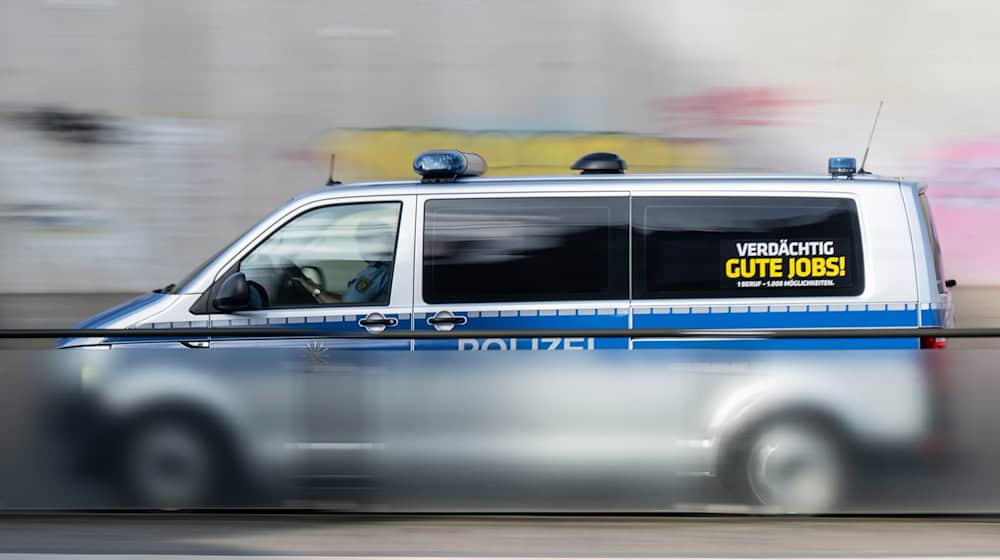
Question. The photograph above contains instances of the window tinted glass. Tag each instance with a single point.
(745, 247)
(337, 255)
(528, 249)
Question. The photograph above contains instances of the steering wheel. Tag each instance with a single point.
(314, 274)
(292, 289)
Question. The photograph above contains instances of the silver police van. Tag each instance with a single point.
(457, 251)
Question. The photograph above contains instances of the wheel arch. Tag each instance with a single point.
(731, 441)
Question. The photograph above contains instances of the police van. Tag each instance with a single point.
(455, 250)
(602, 250)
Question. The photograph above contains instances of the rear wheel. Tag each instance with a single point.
(795, 466)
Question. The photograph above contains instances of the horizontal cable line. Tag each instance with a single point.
(643, 333)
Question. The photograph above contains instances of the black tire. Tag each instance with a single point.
(175, 461)
(792, 465)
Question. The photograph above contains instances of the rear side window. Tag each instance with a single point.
(525, 249)
(726, 247)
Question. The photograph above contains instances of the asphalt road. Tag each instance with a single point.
(565, 537)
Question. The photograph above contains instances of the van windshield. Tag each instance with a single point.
(176, 288)
(179, 286)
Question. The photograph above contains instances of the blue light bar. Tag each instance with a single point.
(842, 166)
(448, 165)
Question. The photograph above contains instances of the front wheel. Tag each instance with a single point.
(794, 466)
(171, 463)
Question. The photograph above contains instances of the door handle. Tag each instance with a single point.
(376, 322)
(446, 320)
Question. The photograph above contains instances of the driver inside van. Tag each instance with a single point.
(375, 244)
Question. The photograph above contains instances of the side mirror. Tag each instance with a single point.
(233, 294)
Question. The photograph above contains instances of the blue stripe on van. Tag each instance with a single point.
(775, 317)
(778, 317)
(789, 344)
(934, 317)
(678, 317)
(532, 319)
(329, 323)
(105, 318)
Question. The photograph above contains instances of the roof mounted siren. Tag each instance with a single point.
(847, 167)
(600, 163)
(445, 166)
(842, 167)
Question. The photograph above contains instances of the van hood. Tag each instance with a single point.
(106, 318)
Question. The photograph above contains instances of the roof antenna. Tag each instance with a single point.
(861, 170)
(330, 182)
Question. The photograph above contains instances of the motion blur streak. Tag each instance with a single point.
(865, 431)
(175, 125)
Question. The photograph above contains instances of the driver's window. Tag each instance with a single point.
(336, 255)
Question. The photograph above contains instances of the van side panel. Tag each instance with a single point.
(935, 301)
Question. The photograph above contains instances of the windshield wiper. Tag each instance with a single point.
(165, 290)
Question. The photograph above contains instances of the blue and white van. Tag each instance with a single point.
(458, 252)
(454, 250)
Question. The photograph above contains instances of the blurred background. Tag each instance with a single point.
(138, 137)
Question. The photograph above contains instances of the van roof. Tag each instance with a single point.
(596, 183)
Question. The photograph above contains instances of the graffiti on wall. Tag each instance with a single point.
(964, 189)
(387, 153)
(967, 172)
(728, 108)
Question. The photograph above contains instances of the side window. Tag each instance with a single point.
(725, 247)
(525, 249)
(336, 255)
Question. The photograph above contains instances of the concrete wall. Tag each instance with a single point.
(138, 137)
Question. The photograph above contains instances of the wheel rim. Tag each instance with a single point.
(796, 469)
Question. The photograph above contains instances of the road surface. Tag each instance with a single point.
(562, 537)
